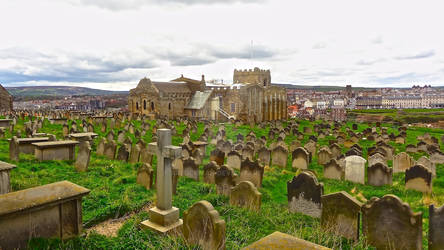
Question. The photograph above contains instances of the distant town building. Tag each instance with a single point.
(5, 99)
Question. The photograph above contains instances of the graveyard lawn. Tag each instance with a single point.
(115, 193)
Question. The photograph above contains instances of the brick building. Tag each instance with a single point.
(5, 100)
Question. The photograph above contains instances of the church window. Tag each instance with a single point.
(144, 104)
(152, 105)
(169, 106)
(233, 107)
(137, 105)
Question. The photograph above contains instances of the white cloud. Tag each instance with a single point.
(341, 42)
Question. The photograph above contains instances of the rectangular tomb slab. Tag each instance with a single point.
(53, 210)
(25, 144)
(5, 168)
(82, 136)
(4, 123)
(55, 150)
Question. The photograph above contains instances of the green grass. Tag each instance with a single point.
(114, 193)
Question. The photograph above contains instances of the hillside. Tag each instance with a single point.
(58, 91)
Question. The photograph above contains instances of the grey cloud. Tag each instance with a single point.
(420, 55)
(320, 45)
(367, 62)
(244, 52)
(116, 5)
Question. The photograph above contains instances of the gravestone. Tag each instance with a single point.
(333, 170)
(145, 176)
(178, 164)
(418, 178)
(101, 147)
(427, 164)
(218, 156)
(203, 226)
(379, 174)
(335, 150)
(389, 223)
(340, 215)
(402, 162)
(110, 150)
(246, 195)
(234, 160)
(210, 172)
(355, 169)
(324, 155)
(278, 240)
(191, 169)
(123, 153)
(310, 146)
(5, 184)
(376, 158)
(134, 154)
(83, 156)
(224, 179)
(145, 156)
(264, 156)
(251, 171)
(110, 136)
(121, 136)
(436, 228)
(14, 149)
(300, 158)
(304, 194)
(279, 157)
(164, 217)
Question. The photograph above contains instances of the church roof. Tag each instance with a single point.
(199, 99)
(172, 87)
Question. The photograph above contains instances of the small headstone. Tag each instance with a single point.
(224, 179)
(264, 156)
(300, 158)
(203, 226)
(14, 149)
(355, 169)
(123, 153)
(110, 150)
(402, 162)
(145, 176)
(191, 169)
(83, 156)
(251, 171)
(333, 170)
(436, 228)
(279, 156)
(418, 178)
(210, 172)
(246, 195)
(101, 146)
(218, 156)
(379, 174)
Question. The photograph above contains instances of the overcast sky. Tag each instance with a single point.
(111, 44)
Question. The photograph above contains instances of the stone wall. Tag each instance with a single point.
(255, 76)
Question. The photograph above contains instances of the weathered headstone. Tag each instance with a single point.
(210, 172)
(101, 147)
(246, 195)
(218, 156)
(333, 170)
(191, 169)
(304, 194)
(83, 156)
(340, 215)
(251, 171)
(402, 162)
(264, 156)
(203, 226)
(123, 153)
(110, 150)
(300, 158)
(379, 174)
(5, 184)
(418, 178)
(279, 156)
(134, 154)
(389, 223)
(145, 176)
(14, 150)
(436, 228)
(224, 179)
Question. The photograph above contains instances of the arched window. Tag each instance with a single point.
(137, 105)
(152, 105)
(144, 104)
(169, 106)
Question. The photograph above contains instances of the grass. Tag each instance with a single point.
(114, 193)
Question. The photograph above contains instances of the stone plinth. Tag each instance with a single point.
(53, 210)
(4, 123)
(25, 144)
(82, 136)
(55, 150)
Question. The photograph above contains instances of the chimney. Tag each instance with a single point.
(203, 78)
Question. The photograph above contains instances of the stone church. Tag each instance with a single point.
(250, 98)
(5, 100)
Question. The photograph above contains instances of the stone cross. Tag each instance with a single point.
(164, 217)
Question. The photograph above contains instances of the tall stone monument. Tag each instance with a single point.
(164, 218)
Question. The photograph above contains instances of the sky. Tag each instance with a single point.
(112, 44)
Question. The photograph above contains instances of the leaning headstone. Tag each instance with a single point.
(379, 174)
(164, 217)
(123, 153)
(355, 169)
(145, 176)
(210, 172)
(234, 160)
(246, 195)
(418, 178)
(83, 156)
(110, 150)
(101, 147)
(14, 150)
(402, 162)
(191, 169)
(304, 194)
(389, 223)
(340, 215)
(301, 158)
(279, 156)
(203, 226)
(224, 179)
(251, 171)
(436, 228)
(333, 170)
(134, 154)
(264, 156)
